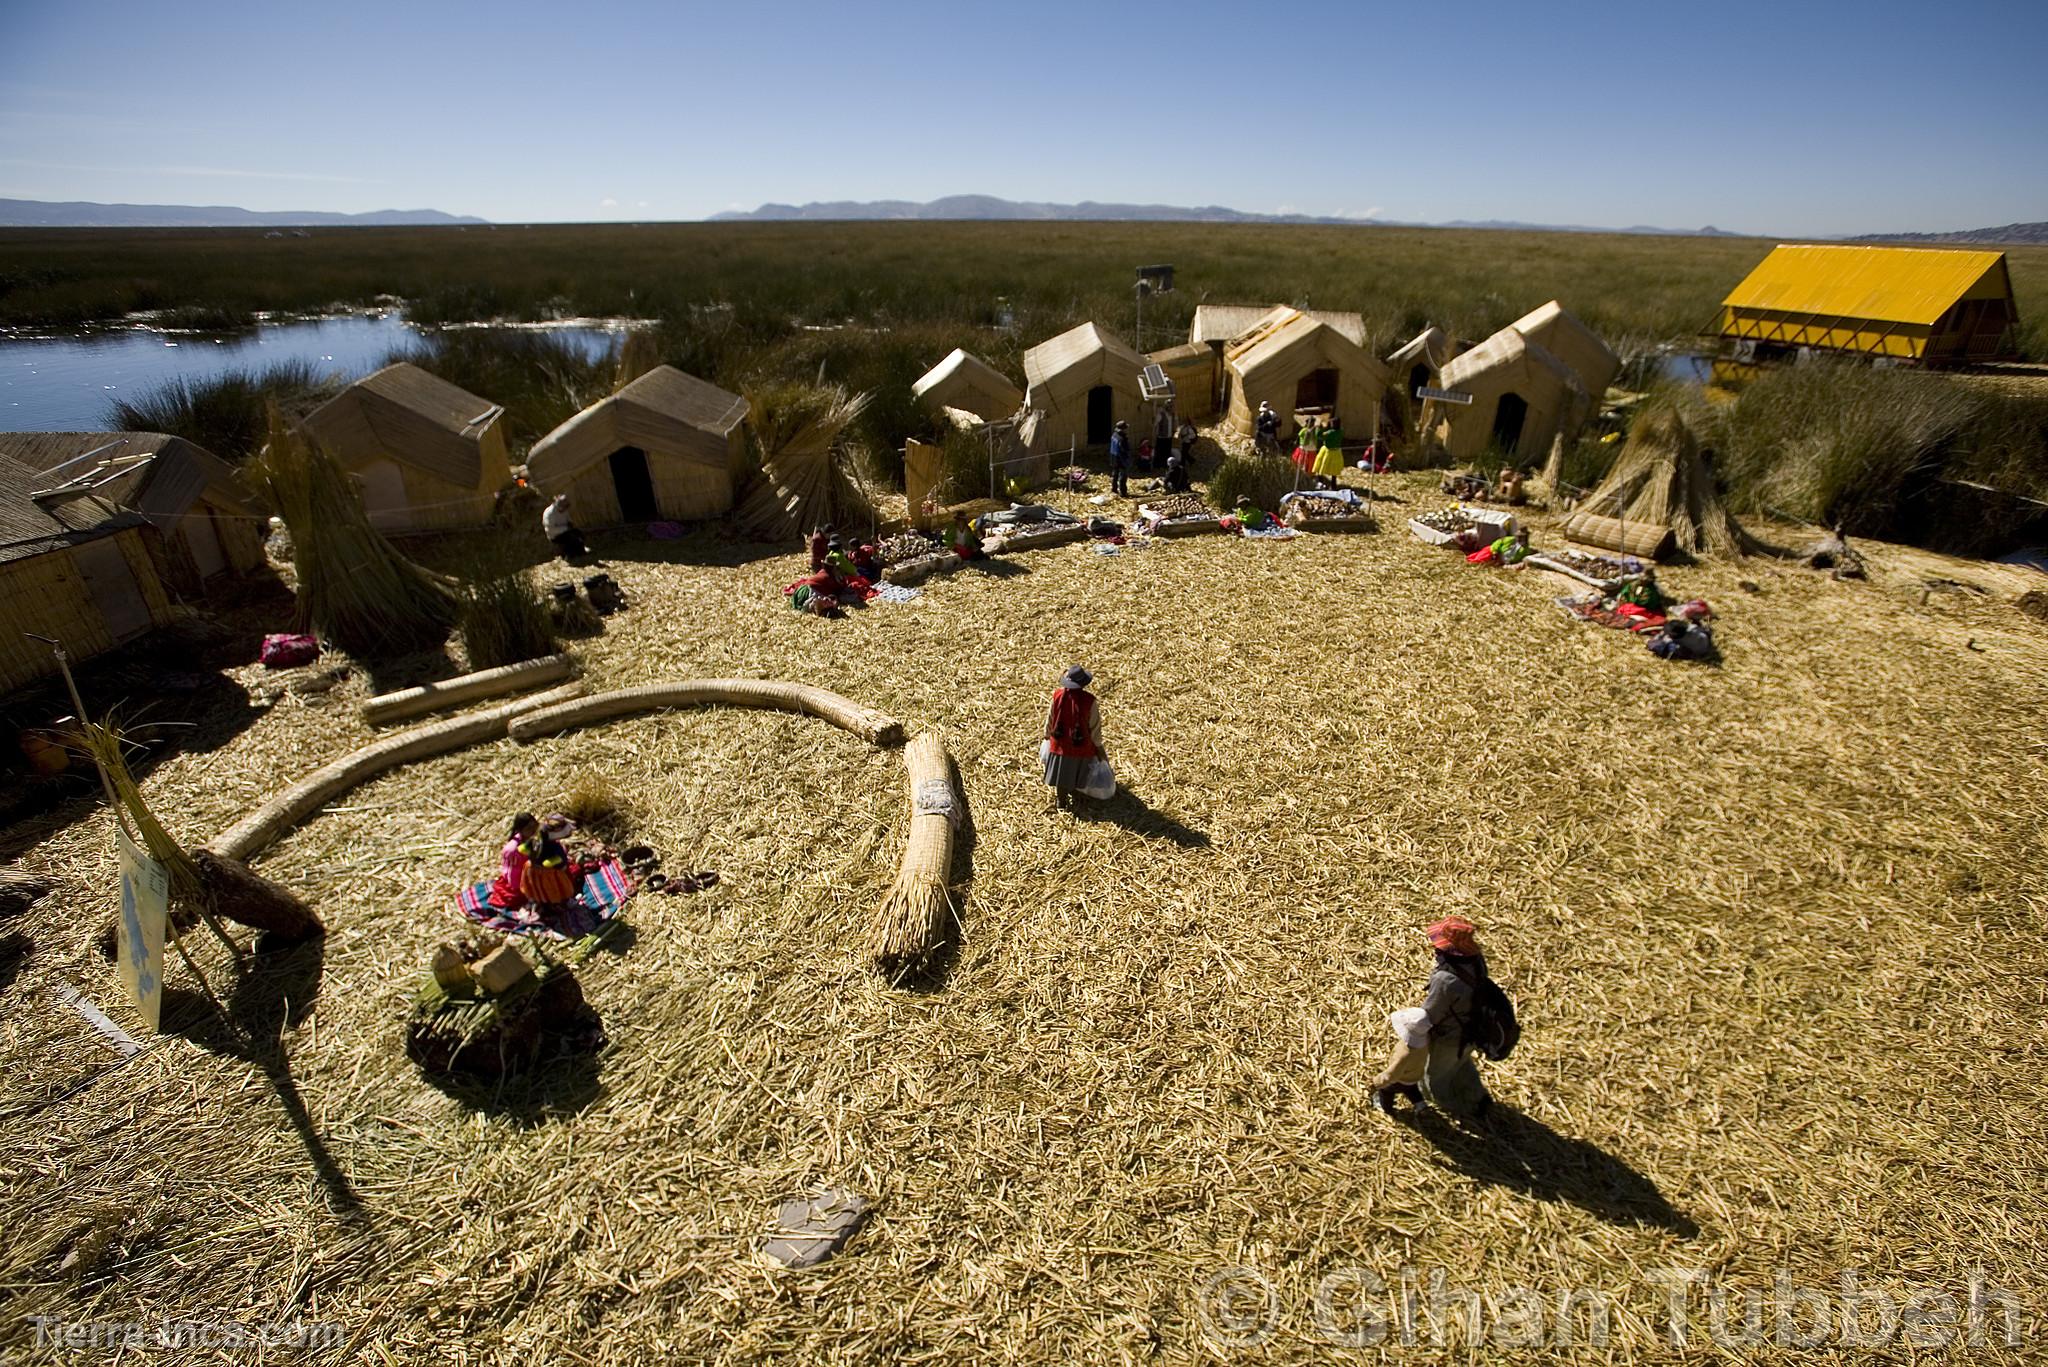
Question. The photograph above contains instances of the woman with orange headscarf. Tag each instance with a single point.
(1432, 1062)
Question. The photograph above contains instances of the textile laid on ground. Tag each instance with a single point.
(896, 593)
(1271, 532)
(602, 896)
(1593, 607)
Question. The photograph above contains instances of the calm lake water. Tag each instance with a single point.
(66, 384)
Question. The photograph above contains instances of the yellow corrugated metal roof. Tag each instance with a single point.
(1911, 285)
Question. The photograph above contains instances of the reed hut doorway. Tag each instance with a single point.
(1101, 414)
(1317, 389)
(384, 496)
(634, 485)
(1418, 376)
(1508, 416)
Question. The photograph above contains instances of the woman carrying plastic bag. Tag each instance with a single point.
(1075, 766)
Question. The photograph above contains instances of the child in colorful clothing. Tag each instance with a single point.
(508, 888)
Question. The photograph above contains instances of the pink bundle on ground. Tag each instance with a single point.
(284, 650)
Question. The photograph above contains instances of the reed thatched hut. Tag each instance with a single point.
(1419, 361)
(429, 455)
(965, 381)
(1082, 383)
(211, 530)
(1522, 397)
(668, 446)
(1299, 364)
(73, 566)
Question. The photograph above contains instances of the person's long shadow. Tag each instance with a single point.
(1518, 1151)
(273, 992)
(1130, 811)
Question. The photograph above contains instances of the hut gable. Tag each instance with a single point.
(665, 446)
(1429, 347)
(1079, 359)
(1572, 342)
(1083, 381)
(1224, 323)
(408, 415)
(1912, 303)
(665, 412)
(1295, 362)
(965, 381)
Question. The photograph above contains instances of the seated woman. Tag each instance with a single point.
(1178, 480)
(508, 888)
(547, 879)
(867, 562)
(966, 542)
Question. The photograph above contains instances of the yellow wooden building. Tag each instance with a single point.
(1916, 305)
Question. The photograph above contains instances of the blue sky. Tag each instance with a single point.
(1788, 118)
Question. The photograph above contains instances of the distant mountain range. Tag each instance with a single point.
(2012, 234)
(36, 213)
(993, 209)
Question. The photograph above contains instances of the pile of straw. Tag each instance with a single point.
(809, 477)
(355, 588)
(1662, 480)
(1148, 1059)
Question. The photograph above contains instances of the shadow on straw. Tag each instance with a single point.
(1140, 818)
(1515, 1150)
(273, 993)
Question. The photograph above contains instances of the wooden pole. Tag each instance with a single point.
(121, 824)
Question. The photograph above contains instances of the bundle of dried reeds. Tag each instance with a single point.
(914, 920)
(1662, 480)
(355, 588)
(201, 881)
(808, 475)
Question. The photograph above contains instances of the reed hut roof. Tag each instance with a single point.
(964, 380)
(1572, 342)
(1508, 352)
(1229, 322)
(1290, 337)
(30, 526)
(1080, 358)
(665, 411)
(152, 473)
(409, 415)
(1429, 346)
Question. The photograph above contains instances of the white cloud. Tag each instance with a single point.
(607, 203)
(641, 204)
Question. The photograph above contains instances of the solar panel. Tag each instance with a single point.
(1153, 384)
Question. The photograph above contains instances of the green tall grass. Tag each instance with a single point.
(504, 619)
(226, 414)
(1893, 454)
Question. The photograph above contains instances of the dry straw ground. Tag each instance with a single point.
(1775, 928)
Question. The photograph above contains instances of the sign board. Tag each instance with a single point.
(1423, 391)
(923, 470)
(145, 903)
(1160, 278)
